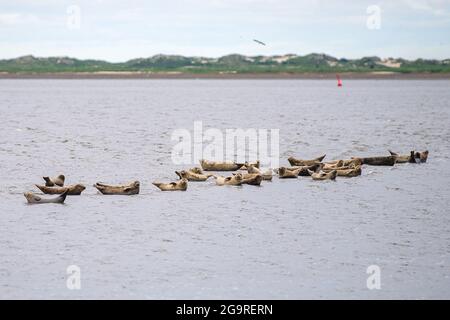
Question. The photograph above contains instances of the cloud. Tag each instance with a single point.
(434, 7)
(15, 19)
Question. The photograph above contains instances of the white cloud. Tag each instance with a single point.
(434, 7)
(14, 19)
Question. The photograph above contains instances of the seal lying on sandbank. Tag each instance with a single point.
(255, 164)
(126, 189)
(266, 175)
(299, 162)
(56, 181)
(422, 156)
(180, 185)
(329, 168)
(400, 158)
(343, 163)
(315, 167)
(334, 164)
(413, 157)
(379, 161)
(286, 173)
(302, 170)
(35, 199)
(235, 180)
(253, 179)
(324, 175)
(346, 171)
(196, 170)
(74, 190)
(192, 176)
(220, 166)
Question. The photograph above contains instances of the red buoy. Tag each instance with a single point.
(339, 81)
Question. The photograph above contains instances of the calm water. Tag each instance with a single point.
(286, 239)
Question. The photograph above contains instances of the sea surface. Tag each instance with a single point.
(290, 239)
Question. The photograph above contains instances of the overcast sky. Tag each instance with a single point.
(117, 30)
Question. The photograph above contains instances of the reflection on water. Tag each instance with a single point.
(286, 239)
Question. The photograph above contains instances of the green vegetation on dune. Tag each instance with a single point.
(234, 63)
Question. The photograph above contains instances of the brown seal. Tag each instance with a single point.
(196, 170)
(343, 163)
(235, 180)
(180, 185)
(74, 190)
(323, 175)
(346, 171)
(192, 176)
(266, 175)
(56, 181)
(286, 173)
(255, 164)
(412, 157)
(253, 179)
(379, 161)
(299, 162)
(126, 189)
(422, 156)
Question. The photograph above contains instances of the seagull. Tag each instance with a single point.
(260, 42)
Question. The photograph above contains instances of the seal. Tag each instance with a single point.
(56, 181)
(196, 170)
(235, 180)
(344, 163)
(346, 171)
(266, 175)
(126, 189)
(422, 156)
(352, 167)
(401, 158)
(299, 162)
(315, 167)
(334, 165)
(220, 166)
(35, 199)
(324, 175)
(412, 157)
(192, 176)
(253, 179)
(329, 168)
(303, 170)
(286, 173)
(74, 190)
(180, 185)
(379, 161)
(255, 164)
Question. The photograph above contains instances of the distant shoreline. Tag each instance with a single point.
(176, 75)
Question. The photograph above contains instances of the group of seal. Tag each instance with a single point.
(315, 168)
(56, 185)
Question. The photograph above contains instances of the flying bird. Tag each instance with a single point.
(260, 42)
